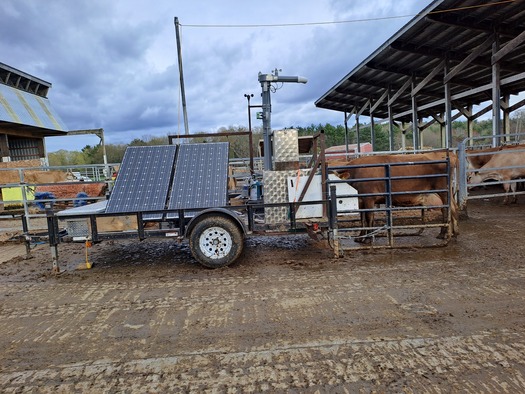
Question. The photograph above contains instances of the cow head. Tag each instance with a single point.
(474, 177)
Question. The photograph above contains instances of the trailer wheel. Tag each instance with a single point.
(216, 242)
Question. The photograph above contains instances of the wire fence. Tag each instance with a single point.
(27, 190)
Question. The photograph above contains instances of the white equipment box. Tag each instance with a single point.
(314, 193)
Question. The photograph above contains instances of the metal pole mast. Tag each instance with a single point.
(267, 124)
(250, 138)
(266, 81)
(181, 75)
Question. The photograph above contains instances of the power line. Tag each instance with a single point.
(348, 21)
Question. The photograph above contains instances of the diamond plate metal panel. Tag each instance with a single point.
(276, 191)
(77, 227)
(143, 180)
(201, 177)
(285, 145)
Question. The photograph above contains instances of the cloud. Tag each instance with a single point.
(113, 64)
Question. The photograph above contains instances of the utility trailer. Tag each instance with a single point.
(215, 235)
(180, 191)
(194, 205)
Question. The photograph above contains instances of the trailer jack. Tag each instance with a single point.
(314, 231)
(88, 244)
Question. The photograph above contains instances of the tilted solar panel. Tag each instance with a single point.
(143, 180)
(201, 177)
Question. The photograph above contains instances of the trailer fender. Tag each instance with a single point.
(213, 212)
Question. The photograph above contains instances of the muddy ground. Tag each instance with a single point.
(288, 317)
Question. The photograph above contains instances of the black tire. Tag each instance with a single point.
(216, 241)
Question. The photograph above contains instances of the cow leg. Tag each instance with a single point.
(454, 217)
(367, 220)
(513, 187)
(449, 231)
(508, 187)
(362, 234)
(444, 233)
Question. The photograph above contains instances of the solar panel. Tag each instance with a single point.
(201, 177)
(143, 180)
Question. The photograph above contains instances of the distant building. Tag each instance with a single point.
(339, 152)
(26, 116)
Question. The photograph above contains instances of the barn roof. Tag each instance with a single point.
(24, 106)
(460, 32)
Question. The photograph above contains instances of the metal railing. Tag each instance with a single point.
(477, 150)
(31, 203)
(391, 220)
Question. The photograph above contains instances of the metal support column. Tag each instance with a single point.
(346, 136)
(347, 140)
(442, 132)
(250, 136)
(506, 118)
(390, 123)
(470, 126)
(267, 125)
(372, 129)
(496, 96)
(357, 134)
(448, 111)
(415, 121)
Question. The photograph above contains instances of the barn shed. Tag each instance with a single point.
(456, 58)
(26, 116)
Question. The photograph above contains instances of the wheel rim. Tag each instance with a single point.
(215, 243)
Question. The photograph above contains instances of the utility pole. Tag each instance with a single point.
(181, 75)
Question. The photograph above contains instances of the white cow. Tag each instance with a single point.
(502, 167)
(477, 158)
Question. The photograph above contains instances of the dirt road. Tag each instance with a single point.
(287, 318)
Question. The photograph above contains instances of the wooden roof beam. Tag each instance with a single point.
(405, 73)
(440, 67)
(450, 55)
(472, 24)
(400, 91)
(379, 101)
(473, 55)
(508, 47)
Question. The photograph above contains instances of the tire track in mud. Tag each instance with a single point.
(490, 362)
(327, 330)
(95, 307)
(135, 296)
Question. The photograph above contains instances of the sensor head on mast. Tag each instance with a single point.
(281, 78)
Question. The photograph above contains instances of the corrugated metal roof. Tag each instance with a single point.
(445, 31)
(20, 108)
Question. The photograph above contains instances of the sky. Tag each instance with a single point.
(114, 65)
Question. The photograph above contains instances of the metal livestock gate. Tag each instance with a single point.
(482, 149)
(394, 225)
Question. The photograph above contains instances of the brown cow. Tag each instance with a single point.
(426, 168)
(497, 168)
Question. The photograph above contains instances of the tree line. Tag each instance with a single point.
(240, 147)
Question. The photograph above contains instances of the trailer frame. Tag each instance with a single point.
(242, 221)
